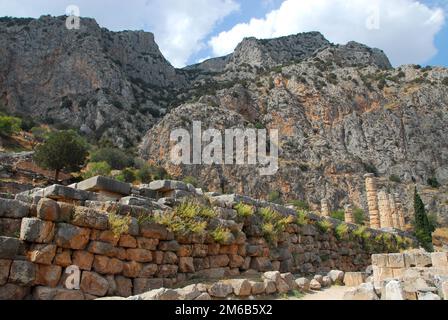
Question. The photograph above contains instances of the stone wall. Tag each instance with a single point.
(46, 231)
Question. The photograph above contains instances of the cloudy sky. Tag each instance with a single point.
(188, 31)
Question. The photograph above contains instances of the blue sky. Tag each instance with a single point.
(409, 31)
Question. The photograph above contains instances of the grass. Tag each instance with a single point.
(342, 231)
(324, 226)
(302, 218)
(221, 235)
(362, 233)
(244, 210)
(189, 217)
(119, 224)
(273, 223)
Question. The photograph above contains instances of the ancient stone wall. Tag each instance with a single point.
(46, 232)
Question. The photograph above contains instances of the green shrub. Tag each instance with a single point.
(302, 218)
(370, 168)
(324, 226)
(342, 231)
(97, 169)
(445, 81)
(395, 178)
(128, 175)
(191, 180)
(359, 215)
(244, 210)
(221, 235)
(275, 197)
(362, 233)
(338, 215)
(116, 158)
(432, 182)
(300, 205)
(9, 125)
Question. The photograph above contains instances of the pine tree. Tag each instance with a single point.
(423, 228)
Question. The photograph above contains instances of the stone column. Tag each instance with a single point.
(372, 200)
(394, 212)
(349, 218)
(400, 211)
(385, 215)
(325, 208)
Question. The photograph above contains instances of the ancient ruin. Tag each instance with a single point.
(372, 199)
(349, 218)
(325, 212)
(110, 232)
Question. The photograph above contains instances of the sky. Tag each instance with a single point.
(189, 31)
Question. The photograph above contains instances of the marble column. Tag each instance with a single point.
(325, 208)
(385, 214)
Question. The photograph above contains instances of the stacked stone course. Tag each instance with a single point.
(65, 226)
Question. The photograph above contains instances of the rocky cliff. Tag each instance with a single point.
(341, 110)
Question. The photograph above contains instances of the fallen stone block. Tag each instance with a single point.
(13, 209)
(108, 185)
(393, 291)
(303, 284)
(36, 230)
(220, 290)
(190, 292)
(161, 294)
(365, 292)
(167, 185)
(241, 287)
(142, 285)
(336, 276)
(428, 296)
(58, 192)
(354, 279)
(315, 285)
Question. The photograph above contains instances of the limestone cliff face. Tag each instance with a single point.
(341, 110)
(105, 83)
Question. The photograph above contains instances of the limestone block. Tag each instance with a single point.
(42, 254)
(48, 275)
(108, 185)
(58, 192)
(354, 279)
(9, 247)
(48, 210)
(439, 259)
(13, 209)
(5, 266)
(36, 230)
(393, 291)
(365, 292)
(93, 283)
(90, 218)
(71, 237)
(220, 290)
(396, 260)
(22, 273)
(12, 291)
(46, 293)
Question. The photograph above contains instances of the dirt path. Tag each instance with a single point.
(333, 293)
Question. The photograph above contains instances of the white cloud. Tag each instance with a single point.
(406, 28)
(180, 26)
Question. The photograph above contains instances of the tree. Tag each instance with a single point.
(62, 150)
(423, 228)
(116, 158)
(9, 125)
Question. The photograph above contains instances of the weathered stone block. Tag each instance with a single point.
(169, 258)
(108, 185)
(90, 218)
(93, 283)
(42, 254)
(422, 260)
(5, 266)
(58, 192)
(13, 209)
(127, 241)
(22, 273)
(72, 237)
(365, 292)
(66, 211)
(124, 286)
(396, 260)
(48, 275)
(393, 291)
(354, 279)
(105, 265)
(257, 288)
(186, 265)
(9, 247)
(215, 273)
(48, 210)
(132, 269)
(12, 291)
(169, 245)
(185, 251)
(439, 259)
(63, 258)
(167, 185)
(102, 248)
(139, 255)
(49, 294)
(36, 230)
(148, 270)
(219, 261)
(83, 260)
(154, 231)
(167, 271)
(10, 227)
(220, 290)
(261, 264)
